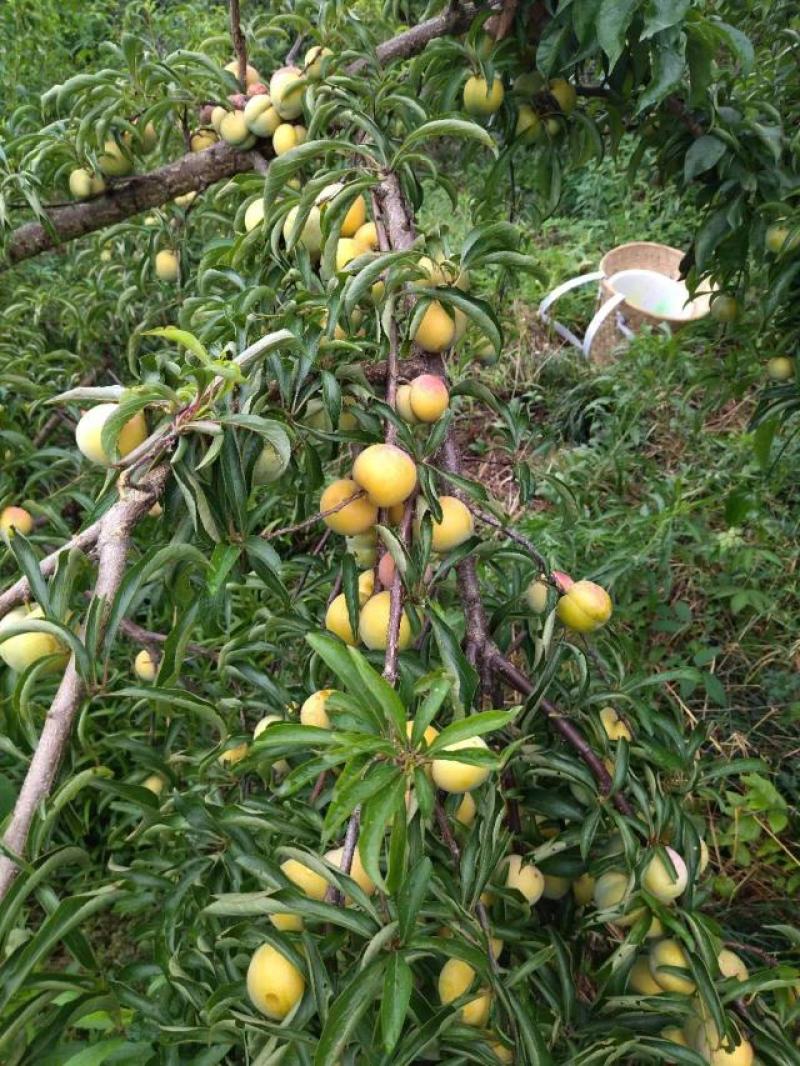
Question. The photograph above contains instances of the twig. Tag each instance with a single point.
(455, 852)
(147, 636)
(518, 538)
(239, 43)
(113, 543)
(270, 534)
(57, 417)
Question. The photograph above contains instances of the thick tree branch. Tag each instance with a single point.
(198, 170)
(113, 543)
(195, 171)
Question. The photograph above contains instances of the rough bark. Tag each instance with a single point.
(192, 172)
(113, 542)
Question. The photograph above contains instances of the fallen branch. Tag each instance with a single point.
(113, 544)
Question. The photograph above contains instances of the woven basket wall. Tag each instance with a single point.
(636, 255)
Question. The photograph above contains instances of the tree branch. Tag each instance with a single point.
(198, 170)
(480, 649)
(239, 43)
(113, 544)
(195, 171)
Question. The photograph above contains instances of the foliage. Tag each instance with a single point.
(127, 935)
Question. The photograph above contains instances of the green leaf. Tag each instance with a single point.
(613, 20)
(397, 985)
(411, 895)
(446, 127)
(184, 339)
(346, 1012)
(703, 154)
(475, 725)
(382, 694)
(375, 816)
(662, 14)
(97, 1053)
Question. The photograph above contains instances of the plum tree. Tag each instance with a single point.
(294, 386)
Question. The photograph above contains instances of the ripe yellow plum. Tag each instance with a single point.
(145, 665)
(167, 265)
(564, 93)
(780, 368)
(260, 117)
(252, 77)
(254, 214)
(456, 526)
(355, 517)
(274, 984)
(231, 756)
(233, 128)
(730, 965)
(313, 710)
(366, 237)
(466, 810)
(584, 607)
(337, 620)
(525, 878)
(15, 520)
(346, 250)
(373, 623)
(529, 125)
(357, 871)
(88, 433)
(286, 92)
(22, 651)
(154, 783)
(436, 330)
(284, 139)
(614, 726)
(403, 404)
(113, 161)
(204, 138)
(454, 776)
(455, 979)
(641, 980)
(386, 473)
(83, 184)
(428, 397)
(310, 235)
(312, 62)
(307, 880)
(669, 953)
(536, 596)
(660, 882)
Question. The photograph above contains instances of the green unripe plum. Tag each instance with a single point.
(725, 308)
(780, 368)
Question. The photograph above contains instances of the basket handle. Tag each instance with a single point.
(557, 293)
(608, 308)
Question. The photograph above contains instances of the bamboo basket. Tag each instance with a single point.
(639, 284)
